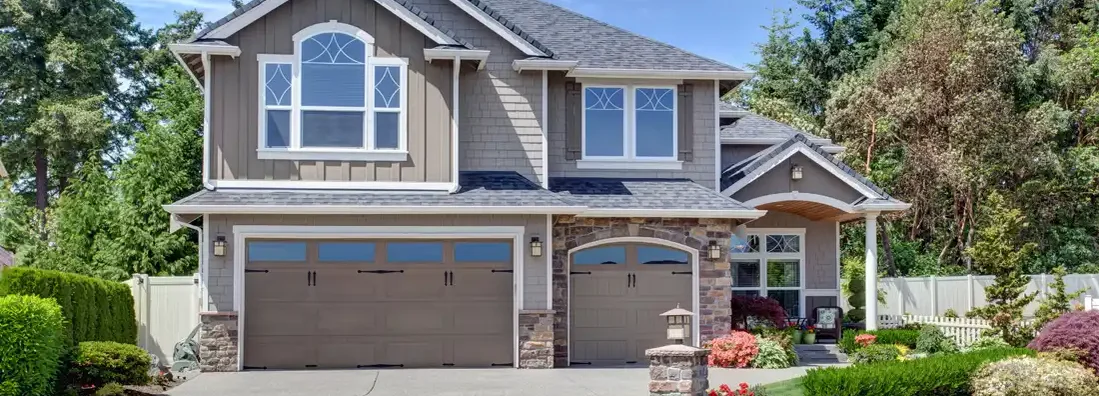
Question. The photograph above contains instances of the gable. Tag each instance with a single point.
(815, 180)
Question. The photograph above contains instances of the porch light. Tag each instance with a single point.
(535, 247)
(795, 172)
(679, 324)
(219, 245)
(715, 250)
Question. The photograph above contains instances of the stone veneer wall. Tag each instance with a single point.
(217, 345)
(714, 277)
(536, 339)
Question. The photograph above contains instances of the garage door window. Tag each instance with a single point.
(661, 255)
(481, 252)
(600, 255)
(414, 252)
(276, 251)
(770, 264)
(346, 251)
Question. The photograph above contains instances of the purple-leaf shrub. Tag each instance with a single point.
(761, 308)
(1077, 331)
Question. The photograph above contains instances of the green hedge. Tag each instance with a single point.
(935, 375)
(904, 337)
(94, 309)
(31, 344)
(103, 362)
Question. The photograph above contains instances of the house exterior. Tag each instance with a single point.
(477, 183)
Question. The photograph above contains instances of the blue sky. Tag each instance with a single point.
(726, 30)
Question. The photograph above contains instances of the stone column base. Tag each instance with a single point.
(536, 339)
(678, 370)
(217, 344)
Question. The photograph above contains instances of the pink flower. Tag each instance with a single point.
(865, 340)
(734, 350)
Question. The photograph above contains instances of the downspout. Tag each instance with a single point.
(456, 97)
(206, 122)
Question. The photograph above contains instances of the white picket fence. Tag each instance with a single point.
(1091, 303)
(964, 331)
(932, 296)
(167, 311)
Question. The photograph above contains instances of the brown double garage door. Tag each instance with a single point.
(365, 304)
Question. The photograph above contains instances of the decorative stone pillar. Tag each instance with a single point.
(217, 345)
(678, 370)
(536, 339)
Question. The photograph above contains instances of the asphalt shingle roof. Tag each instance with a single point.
(478, 189)
(754, 126)
(665, 194)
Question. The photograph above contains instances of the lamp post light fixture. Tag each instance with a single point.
(796, 172)
(535, 247)
(679, 324)
(219, 245)
(714, 250)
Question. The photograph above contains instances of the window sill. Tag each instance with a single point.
(630, 164)
(332, 155)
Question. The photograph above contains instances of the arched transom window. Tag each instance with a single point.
(333, 99)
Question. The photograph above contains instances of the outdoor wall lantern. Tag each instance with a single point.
(535, 247)
(715, 250)
(679, 324)
(795, 172)
(219, 245)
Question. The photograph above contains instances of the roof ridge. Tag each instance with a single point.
(514, 27)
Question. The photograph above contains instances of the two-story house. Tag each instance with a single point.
(476, 183)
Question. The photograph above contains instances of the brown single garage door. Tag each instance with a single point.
(348, 304)
(618, 294)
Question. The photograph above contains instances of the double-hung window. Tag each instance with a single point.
(629, 127)
(770, 263)
(333, 99)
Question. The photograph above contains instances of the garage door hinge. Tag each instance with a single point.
(580, 273)
(448, 364)
(580, 363)
(255, 367)
(255, 270)
(502, 364)
(681, 272)
(379, 366)
(382, 272)
(503, 270)
(310, 366)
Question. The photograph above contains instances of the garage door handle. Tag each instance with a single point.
(309, 278)
(495, 271)
(382, 272)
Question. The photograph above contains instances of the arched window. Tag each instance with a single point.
(333, 99)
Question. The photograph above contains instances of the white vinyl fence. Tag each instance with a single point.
(1091, 303)
(964, 331)
(167, 311)
(932, 296)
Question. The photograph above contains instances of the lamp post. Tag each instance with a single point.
(679, 324)
(678, 369)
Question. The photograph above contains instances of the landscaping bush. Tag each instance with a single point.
(935, 375)
(1031, 376)
(906, 337)
(987, 342)
(103, 362)
(734, 350)
(771, 354)
(876, 353)
(932, 340)
(31, 344)
(94, 309)
(1074, 330)
(758, 308)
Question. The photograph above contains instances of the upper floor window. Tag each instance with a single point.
(629, 126)
(333, 99)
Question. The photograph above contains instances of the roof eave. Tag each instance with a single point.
(200, 48)
(683, 213)
(592, 72)
(521, 65)
(359, 209)
(896, 206)
(481, 56)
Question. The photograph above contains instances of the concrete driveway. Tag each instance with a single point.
(454, 382)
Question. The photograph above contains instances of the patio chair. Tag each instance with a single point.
(829, 322)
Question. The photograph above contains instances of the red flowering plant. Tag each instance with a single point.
(811, 329)
(865, 340)
(755, 308)
(725, 390)
(734, 350)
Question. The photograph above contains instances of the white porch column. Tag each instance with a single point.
(872, 270)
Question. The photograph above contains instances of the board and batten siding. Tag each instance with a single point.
(819, 245)
(234, 119)
(815, 179)
(220, 281)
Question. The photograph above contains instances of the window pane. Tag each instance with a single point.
(346, 251)
(333, 85)
(387, 87)
(414, 252)
(600, 255)
(277, 84)
(386, 130)
(745, 273)
(783, 243)
(336, 48)
(744, 245)
(783, 273)
(656, 129)
(331, 129)
(661, 255)
(604, 122)
(278, 128)
(789, 299)
(276, 251)
(482, 251)
(746, 293)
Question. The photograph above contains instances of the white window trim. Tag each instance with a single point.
(762, 256)
(295, 151)
(629, 159)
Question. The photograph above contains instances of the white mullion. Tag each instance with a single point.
(295, 99)
(368, 117)
(402, 118)
(629, 131)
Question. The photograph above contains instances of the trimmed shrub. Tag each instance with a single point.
(734, 350)
(1031, 376)
(771, 354)
(987, 342)
(876, 353)
(932, 340)
(94, 309)
(935, 375)
(111, 389)
(102, 362)
(757, 308)
(1076, 331)
(906, 337)
(31, 344)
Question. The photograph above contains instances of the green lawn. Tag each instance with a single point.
(790, 387)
